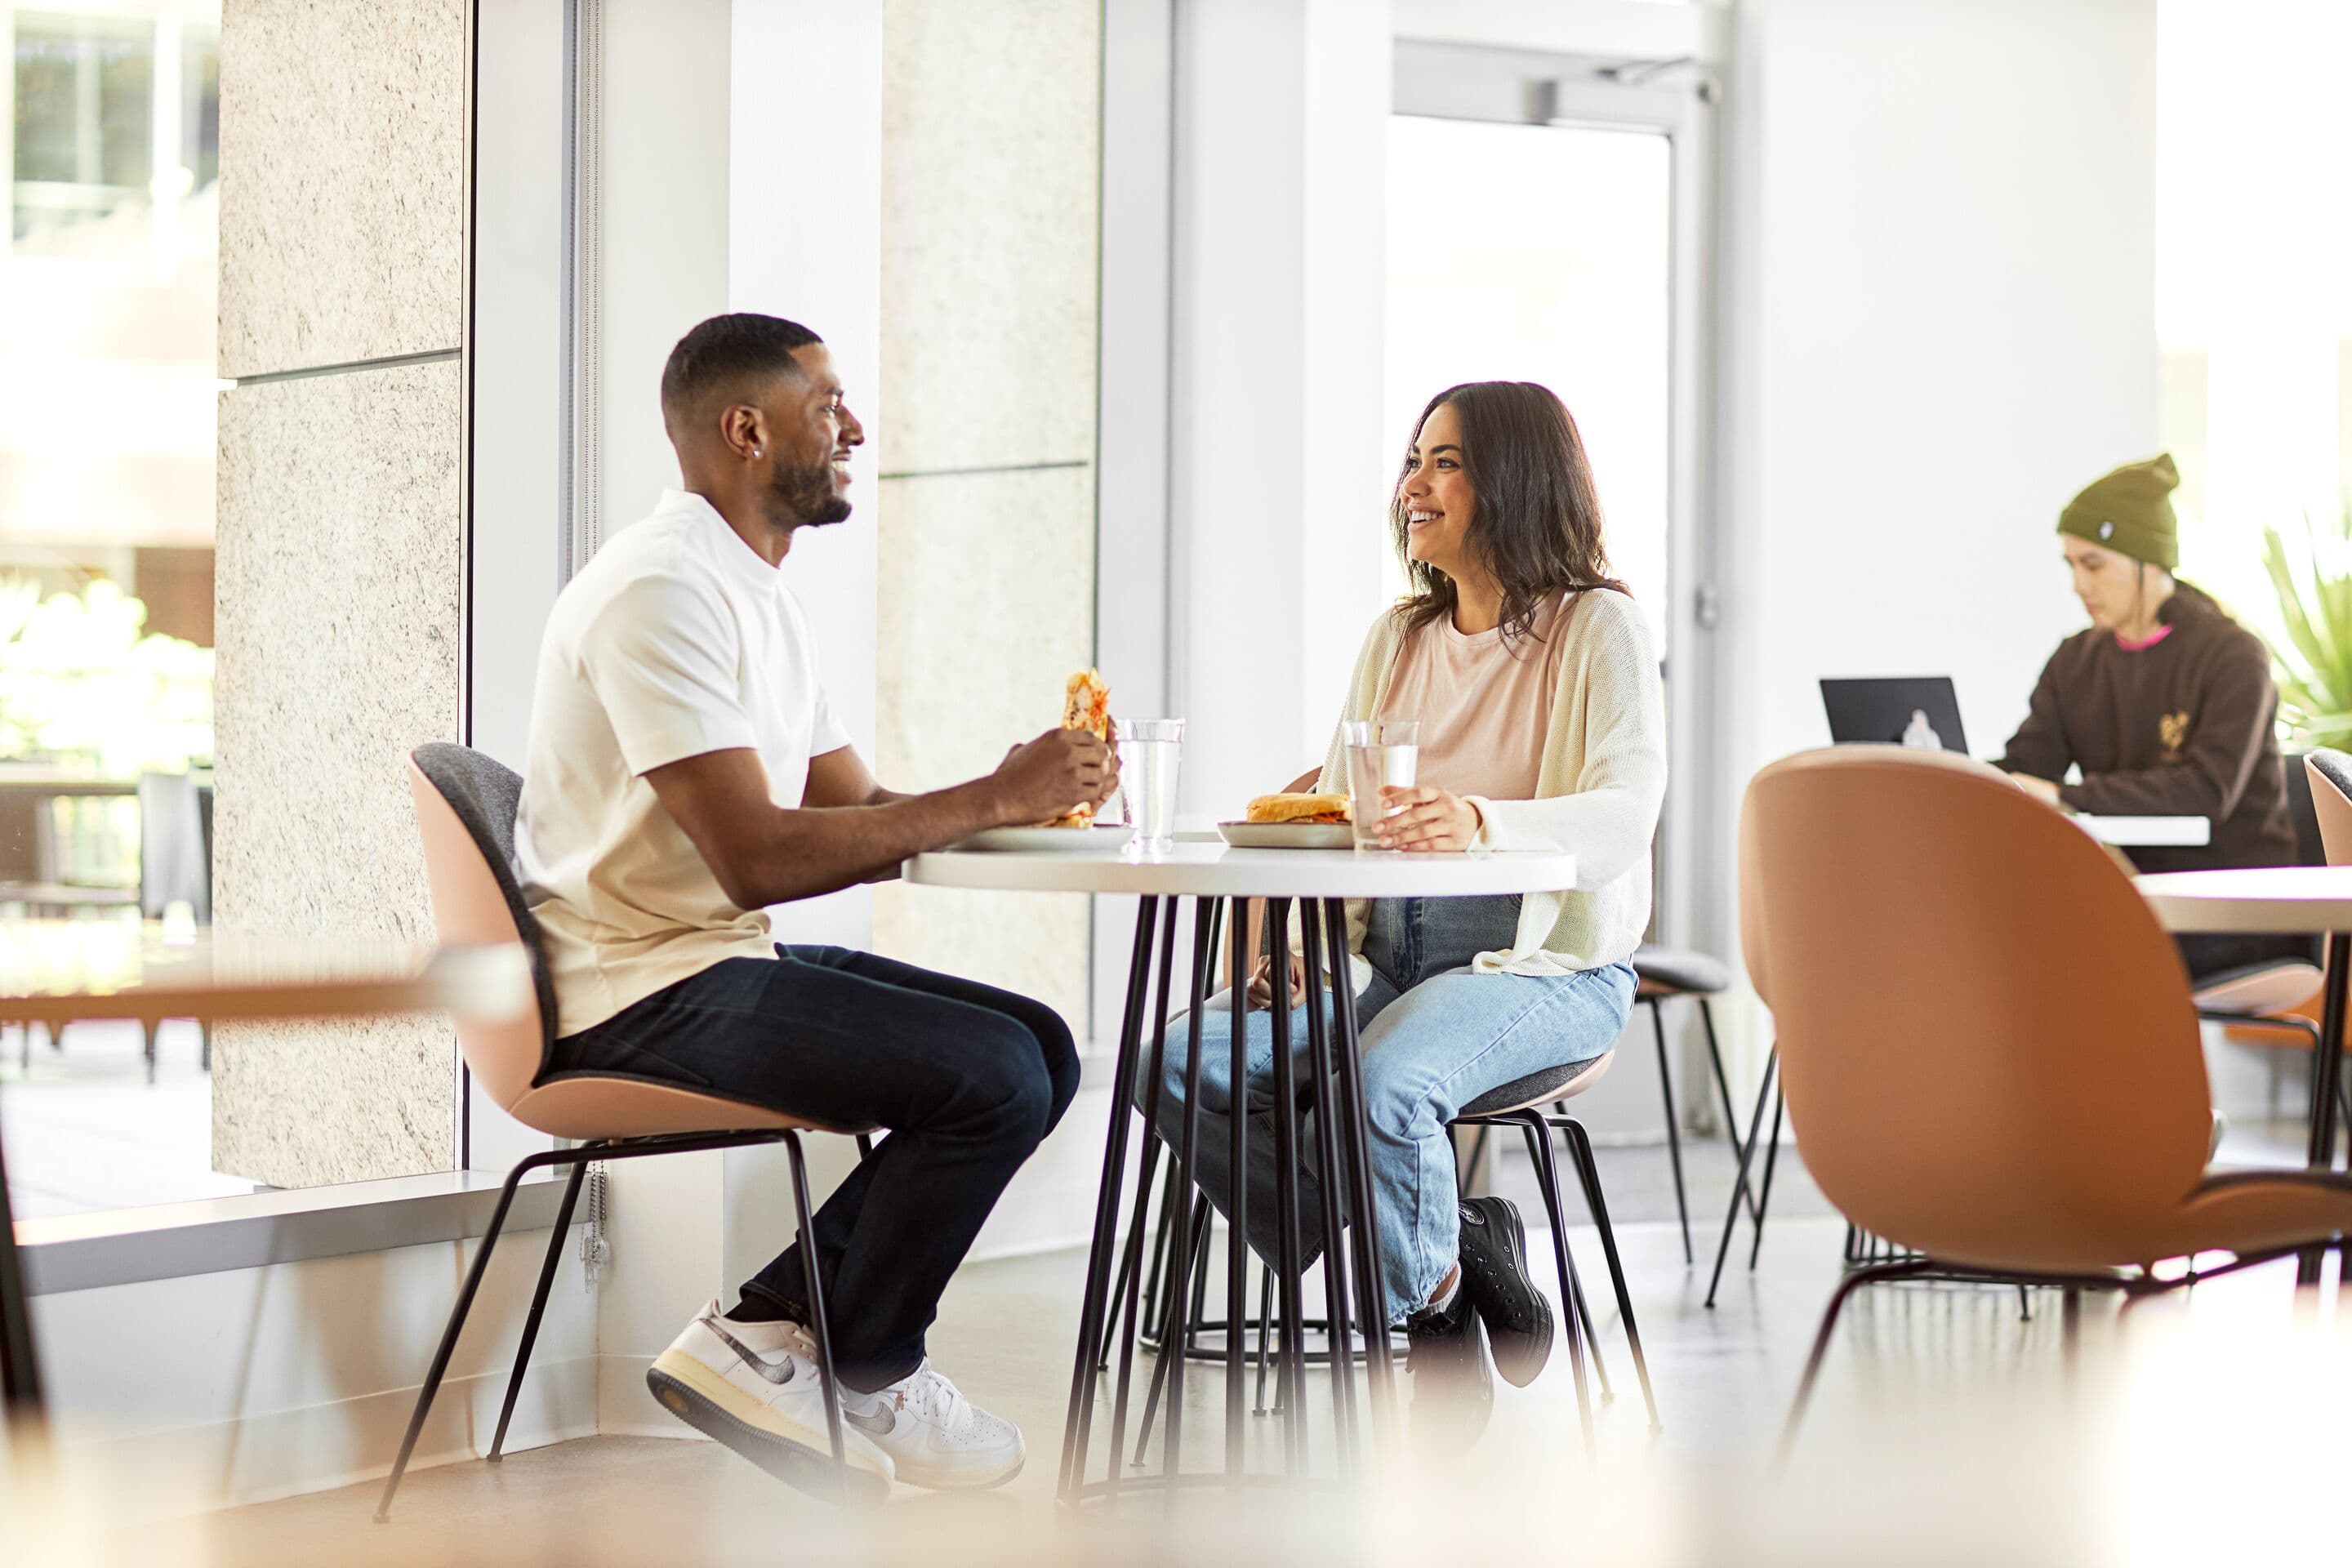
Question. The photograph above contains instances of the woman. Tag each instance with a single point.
(2165, 703)
(1542, 727)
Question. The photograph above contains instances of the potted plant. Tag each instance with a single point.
(2313, 579)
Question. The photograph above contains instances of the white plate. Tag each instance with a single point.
(1050, 840)
(1288, 835)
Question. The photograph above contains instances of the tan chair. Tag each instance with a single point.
(2042, 1116)
(465, 812)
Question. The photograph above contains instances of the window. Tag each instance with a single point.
(1542, 253)
(108, 292)
(2253, 298)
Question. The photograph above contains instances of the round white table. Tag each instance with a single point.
(1211, 874)
(2278, 900)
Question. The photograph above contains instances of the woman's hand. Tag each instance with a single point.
(1425, 818)
(1261, 985)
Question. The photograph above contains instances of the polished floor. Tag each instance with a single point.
(1946, 1429)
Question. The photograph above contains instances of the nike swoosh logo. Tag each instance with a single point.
(777, 1371)
(881, 1423)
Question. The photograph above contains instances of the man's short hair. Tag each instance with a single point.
(730, 356)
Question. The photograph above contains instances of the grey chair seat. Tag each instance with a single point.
(1682, 969)
(1539, 1087)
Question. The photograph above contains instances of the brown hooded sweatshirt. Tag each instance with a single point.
(2184, 728)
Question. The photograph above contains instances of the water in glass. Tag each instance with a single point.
(1149, 751)
(1379, 753)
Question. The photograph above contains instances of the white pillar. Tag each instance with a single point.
(1278, 481)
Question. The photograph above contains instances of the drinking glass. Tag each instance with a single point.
(1380, 752)
(1148, 755)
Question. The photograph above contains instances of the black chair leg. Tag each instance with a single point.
(1722, 1087)
(1549, 1182)
(1673, 1129)
(1771, 1159)
(205, 1039)
(150, 1027)
(804, 1212)
(1846, 1287)
(537, 1306)
(1588, 1171)
(449, 1335)
(1746, 1154)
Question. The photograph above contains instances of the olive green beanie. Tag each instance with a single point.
(2130, 512)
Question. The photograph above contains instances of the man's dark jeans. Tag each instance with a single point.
(968, 1078)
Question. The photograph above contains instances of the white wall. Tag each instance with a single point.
(251, 1384)
(1938, 324)
(1942, 326)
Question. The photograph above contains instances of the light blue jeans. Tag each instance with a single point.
(1434, 1036)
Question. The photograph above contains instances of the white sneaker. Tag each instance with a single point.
(934, 1436)
(754, 1387)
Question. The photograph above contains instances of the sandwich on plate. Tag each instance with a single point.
(1301, 808)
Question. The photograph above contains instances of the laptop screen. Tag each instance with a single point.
(1886, 710)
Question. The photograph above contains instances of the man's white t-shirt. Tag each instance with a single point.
(676, 639)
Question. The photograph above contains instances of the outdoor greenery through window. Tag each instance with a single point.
(108, 292)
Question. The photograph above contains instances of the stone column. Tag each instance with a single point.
(340, 548)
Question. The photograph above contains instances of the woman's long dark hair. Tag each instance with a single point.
(1537, 529)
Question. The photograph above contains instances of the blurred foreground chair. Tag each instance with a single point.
(465, 812)
(2043, 1116)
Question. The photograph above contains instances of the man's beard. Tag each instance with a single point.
(803, 498)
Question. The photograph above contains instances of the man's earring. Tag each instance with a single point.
(755, 452)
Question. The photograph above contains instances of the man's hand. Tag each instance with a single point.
(2042, 790)
(1049, 775)
(1426, 819)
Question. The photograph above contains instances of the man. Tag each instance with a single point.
(686, 772)
(2165, 704)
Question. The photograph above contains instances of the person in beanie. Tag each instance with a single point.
(2166, 704)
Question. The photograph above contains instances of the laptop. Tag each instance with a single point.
(1883, 710)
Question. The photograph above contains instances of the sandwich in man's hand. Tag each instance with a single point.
(1085, 705)
(1298, 808)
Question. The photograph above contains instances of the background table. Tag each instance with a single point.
(2278, 900)
(2147, 832)
(55, 972)
(1322, 881)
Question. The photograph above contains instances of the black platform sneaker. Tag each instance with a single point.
(1495, 1278)
(1452, 1392)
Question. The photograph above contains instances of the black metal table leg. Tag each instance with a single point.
(1355, 1157)
(1237, 1192)
(1079, 1425)
(1321, 994)
(1154, 1064)
(20, 1372)
(1291, 1379)
(2327, 1068)
(1180, 1269)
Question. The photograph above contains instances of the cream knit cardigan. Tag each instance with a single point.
(1598, 790)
